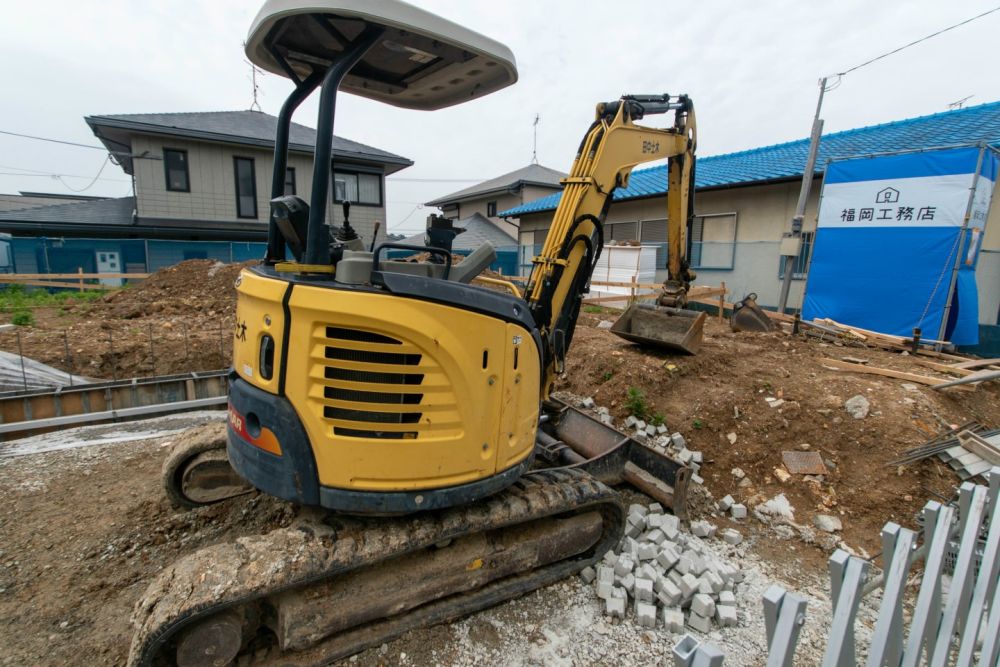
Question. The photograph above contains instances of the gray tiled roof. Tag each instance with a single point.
(478, 230)
(99, 211)
(251, 127)
(533, 174)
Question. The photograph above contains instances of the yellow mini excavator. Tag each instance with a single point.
(409, 406)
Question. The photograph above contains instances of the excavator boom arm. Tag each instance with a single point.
(611, 148)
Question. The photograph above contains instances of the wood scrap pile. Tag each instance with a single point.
(971, 450)
(964, 376)
(830, 330)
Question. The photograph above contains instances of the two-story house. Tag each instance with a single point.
(488, 198)
(202, 183)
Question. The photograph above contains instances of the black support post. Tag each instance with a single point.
(275, 244)
(318, 238)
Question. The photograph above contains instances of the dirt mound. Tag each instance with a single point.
(191, 287)
(719, 401)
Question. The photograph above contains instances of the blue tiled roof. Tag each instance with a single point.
(949, 128)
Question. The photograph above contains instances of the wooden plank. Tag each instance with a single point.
(978, 376)
(886, 372)
(983, 448)
(53, 283)
(944, 368)
(11, 277)
(975, 363)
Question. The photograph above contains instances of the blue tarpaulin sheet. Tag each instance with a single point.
(889, 231)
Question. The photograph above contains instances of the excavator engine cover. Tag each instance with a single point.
(674, 329)
(748, 316)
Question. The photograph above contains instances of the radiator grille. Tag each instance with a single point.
(363, 357)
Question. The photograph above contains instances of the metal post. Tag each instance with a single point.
(927, 611)
(800, 208)
(887, 640)
(66, 352)
(840, 651)
(961, 245)
(275, 244)
(20, 353)
(784, 616)
(152, 354)
(985, 580)
(114, 362)
(318, 239)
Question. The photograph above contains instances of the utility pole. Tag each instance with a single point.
(791, 242)
(534, 149)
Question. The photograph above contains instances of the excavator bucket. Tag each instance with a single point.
(748, 316)
(674, 329)
(576, 439)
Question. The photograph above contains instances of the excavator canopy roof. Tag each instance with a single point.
(421, 61)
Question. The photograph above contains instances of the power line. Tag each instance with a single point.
(57, 141)
(398, 224)
(437, 180)
(104, 164)
(57, 176)
(915, 42)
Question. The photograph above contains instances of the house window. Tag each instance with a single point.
(175, 168)
(246, 188)
(802, 261)
(712, 241)
(290, 181)
(364, 189)
(491, 209)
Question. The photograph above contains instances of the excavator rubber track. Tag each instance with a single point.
(204, 603)
(197, 471)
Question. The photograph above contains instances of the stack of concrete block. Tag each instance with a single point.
(660, 572)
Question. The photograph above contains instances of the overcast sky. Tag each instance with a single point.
(750, 67)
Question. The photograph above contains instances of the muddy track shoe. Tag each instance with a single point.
(330, 587)
(197, 471)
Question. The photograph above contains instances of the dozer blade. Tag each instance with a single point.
(748, 316)
(673, 329)
(573, 437)
(331, 586)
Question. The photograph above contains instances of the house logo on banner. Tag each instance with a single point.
(883, 213)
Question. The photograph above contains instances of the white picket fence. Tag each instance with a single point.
(959, 627)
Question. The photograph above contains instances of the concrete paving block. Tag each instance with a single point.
(726, 503)
(633, 530)
(725, 615)
(647, 551)
(650, 430)
(688, 586)
(637, 508)
(738, 511)
(615, 607)
(667, 558)
(697, 479)
(610, 558)
(678, 440)
(670, 596)
(655, 508)
(699, 623)
(704, 586)
(644, 590)
(701, 528)
(661, 429)
(683, 456)
(731, 536)
(698, 565)
(683, 564)
(627, 582)
(648, 571)
(656, 536)
(654, 520)
(696, 457)
(703, 605)
(646, 614)
(675, 577)
(727, 598)
(588, 574)
(639, 425)
(604, 589)
(715, 582)
(605, 573)
(670, 526)
(673, 620)
(637, 519)
(630, 421)
(624, 565)
(587, 403)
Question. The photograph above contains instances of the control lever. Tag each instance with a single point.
(346, 233)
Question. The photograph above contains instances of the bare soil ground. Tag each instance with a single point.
(82, 531)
